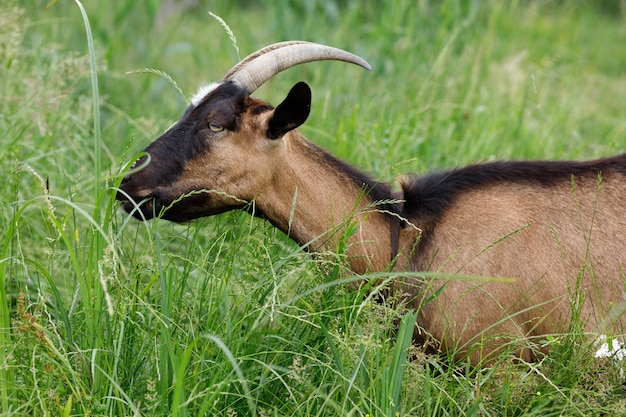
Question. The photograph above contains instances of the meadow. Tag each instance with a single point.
(102, 315)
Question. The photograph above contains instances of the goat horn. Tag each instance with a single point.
(258, 67)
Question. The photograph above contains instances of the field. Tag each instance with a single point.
(102, 315)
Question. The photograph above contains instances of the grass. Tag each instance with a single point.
(104, 315)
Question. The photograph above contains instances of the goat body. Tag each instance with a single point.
(549, 235)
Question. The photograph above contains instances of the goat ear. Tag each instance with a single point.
(292, 112)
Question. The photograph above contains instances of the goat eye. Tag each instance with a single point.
(215, 127)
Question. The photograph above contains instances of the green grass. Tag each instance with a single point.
(103, 315)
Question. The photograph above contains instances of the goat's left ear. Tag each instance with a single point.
(292, 112)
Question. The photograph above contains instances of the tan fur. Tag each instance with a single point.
(561, 234)
(323, 208)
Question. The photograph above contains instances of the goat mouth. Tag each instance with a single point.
(151, 207)
(154, 206)
(144, 209)
(140, 207)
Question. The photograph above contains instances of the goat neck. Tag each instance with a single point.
(317, 200)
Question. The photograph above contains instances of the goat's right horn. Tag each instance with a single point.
(258, 67)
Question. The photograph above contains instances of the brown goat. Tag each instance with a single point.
(555, 229)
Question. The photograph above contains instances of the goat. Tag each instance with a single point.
(556, 229)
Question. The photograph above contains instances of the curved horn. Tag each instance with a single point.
(258, 67)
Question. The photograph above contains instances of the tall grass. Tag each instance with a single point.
(104, 315)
